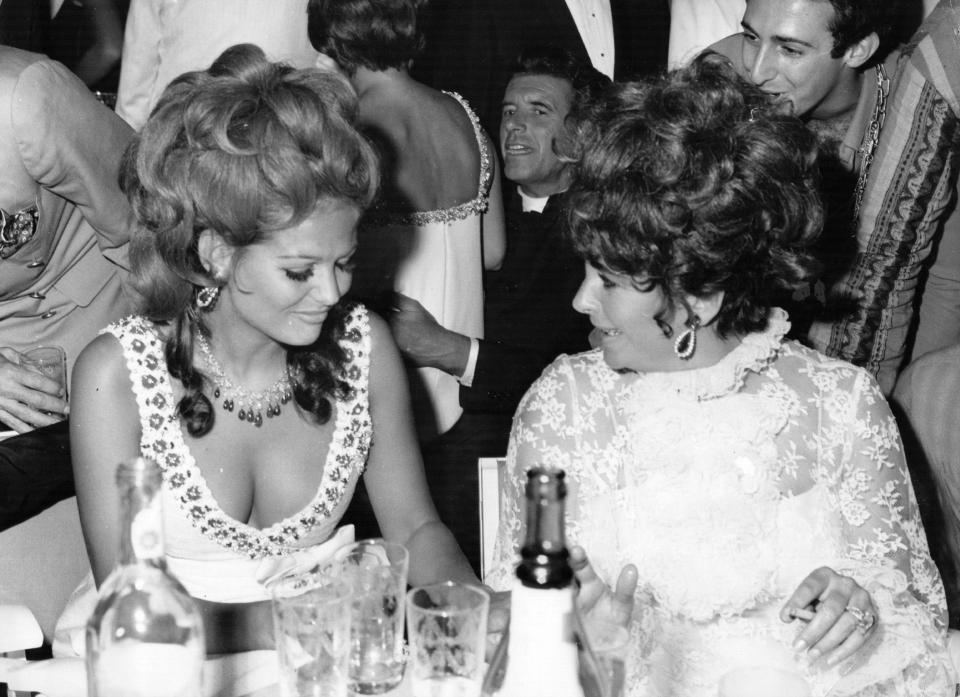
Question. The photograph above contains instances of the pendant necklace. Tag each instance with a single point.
(871, 138)
(249, 405)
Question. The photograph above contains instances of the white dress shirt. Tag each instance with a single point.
(595, 23)
(697, 24)
(165, 38)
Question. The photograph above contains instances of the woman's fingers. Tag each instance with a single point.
(621, 605)
(839, 614)
(807, 593)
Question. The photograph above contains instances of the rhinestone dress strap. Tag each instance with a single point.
(162, 439)
(475, 206)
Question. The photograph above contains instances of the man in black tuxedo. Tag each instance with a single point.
(528, 315)
(473, 44)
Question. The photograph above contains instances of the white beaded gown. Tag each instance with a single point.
(436, 258)
(215, 556)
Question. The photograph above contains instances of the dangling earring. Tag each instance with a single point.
(207, 297)
(686, 342)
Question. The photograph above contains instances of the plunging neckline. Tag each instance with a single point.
(162, 438)
(190, 463)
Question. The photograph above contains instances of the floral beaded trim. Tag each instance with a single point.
(475, 206)
(162, 440)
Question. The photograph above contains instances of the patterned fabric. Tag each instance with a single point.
(726, 486)
(183, 482)
(908, 195)
(475, 206)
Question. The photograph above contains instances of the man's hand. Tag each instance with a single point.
(27, 398)
(423, 341)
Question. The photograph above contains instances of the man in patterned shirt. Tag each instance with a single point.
(894, 127)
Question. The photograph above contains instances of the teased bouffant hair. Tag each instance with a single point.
(374, 34)
(244, 149)
(692, 184)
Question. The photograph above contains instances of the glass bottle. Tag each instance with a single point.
(544, 652)
(145, 636)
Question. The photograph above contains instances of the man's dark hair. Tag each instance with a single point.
(855, 19)
(552, 61)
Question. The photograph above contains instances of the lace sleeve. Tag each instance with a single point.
(543, 433)
(886, 544)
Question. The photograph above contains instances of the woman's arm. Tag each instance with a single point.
(394, 476)
(105, 430)
(493, 225)
(886, 577)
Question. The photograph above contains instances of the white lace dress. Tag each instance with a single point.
(726, 486)
(436, 258)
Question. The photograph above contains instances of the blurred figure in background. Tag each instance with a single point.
(438, 221)
(87, 37)
(165, 38)
(528, 319)
(65, 225)
(697, 24)
(473, 44)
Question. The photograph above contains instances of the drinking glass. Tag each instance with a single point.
(376, 571)
(311, 614)
(447, 629)
(50, 361)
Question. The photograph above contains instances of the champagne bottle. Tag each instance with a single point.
(145, 636)
(544, 652)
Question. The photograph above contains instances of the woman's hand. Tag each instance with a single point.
(28, 399)
(840, 615)
(595, 597)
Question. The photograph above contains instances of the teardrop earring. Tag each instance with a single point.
(686, 342)
(207, 297)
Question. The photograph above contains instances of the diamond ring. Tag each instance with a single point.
(865, 619)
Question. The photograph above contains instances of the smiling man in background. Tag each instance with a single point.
(887, 121)
(528, 314)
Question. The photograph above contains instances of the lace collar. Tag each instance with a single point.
(754, 354)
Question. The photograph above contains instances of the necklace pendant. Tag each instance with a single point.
(242, 415)
(258, 420)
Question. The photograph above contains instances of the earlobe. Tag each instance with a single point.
(706, 307)
(862, 51)
(214, 252)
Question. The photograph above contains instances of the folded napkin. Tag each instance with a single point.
(305, 560)
(20, 629)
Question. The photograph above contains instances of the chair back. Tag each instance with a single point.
(489, 472)
(42, 561)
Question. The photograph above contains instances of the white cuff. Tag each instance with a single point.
(467, 378)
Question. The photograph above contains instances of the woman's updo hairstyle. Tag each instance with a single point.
(694, 184)
(244, 149)
(373, 34)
